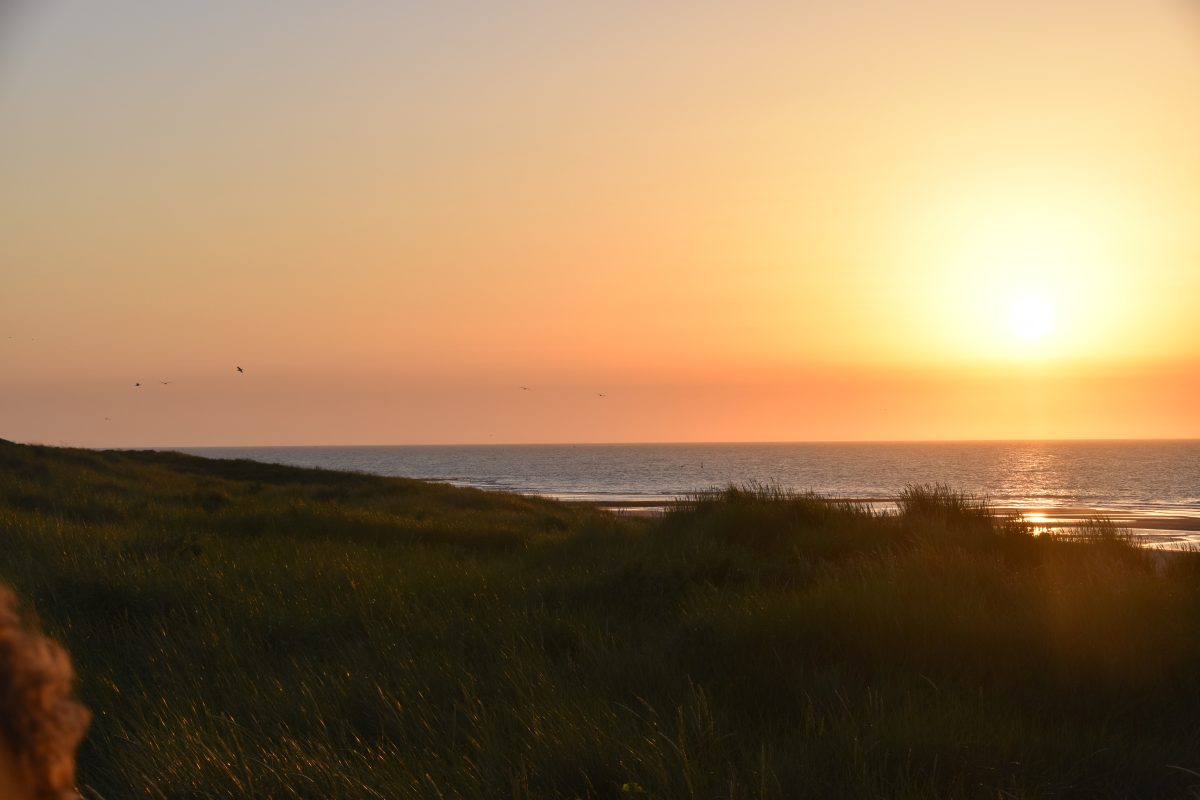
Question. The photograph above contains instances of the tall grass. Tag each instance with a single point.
(250, 630)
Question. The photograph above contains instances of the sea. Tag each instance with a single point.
(1151, 487)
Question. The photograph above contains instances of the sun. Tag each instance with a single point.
(1031, 317)
(1032, 265)
(1025, 274)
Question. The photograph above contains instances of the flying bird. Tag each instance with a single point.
(524, 388)
(165, 383)
(601, 394)
(239, 369)
(136, 385)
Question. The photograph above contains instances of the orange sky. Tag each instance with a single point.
(883, 220)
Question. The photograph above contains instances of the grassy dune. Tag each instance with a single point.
(246, 630)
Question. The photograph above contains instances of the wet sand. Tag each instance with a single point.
(1153, 528)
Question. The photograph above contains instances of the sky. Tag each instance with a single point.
(671, 221)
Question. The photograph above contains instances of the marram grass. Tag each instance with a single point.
(246, 630)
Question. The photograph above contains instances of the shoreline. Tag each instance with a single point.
(1064, 516)
(1148, 487)
(1155, 529)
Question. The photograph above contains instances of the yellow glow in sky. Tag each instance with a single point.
(859, 220)
(1044, 281)
(1031, 317)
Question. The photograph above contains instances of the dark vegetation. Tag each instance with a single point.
(247, 630)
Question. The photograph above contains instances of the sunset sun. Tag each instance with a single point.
(1031, 317)
(1027, 268)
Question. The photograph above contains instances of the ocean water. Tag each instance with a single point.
(1150, 485)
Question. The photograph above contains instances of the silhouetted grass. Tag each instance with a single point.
(250, 630)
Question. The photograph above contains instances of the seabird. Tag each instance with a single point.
(136, 385)
(239, 369)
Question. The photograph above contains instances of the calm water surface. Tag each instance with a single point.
(1141, 480)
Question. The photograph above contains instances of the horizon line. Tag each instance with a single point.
(643, 443)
